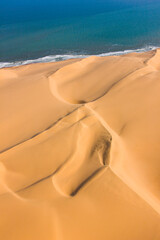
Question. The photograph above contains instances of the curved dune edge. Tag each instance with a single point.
(81, 141)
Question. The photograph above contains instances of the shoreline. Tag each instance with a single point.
(58, 58)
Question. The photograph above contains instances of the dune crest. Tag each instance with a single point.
(91, 78)
(80, 152)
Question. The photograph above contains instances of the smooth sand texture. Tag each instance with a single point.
(79, 149)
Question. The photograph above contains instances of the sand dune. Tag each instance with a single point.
(79, 150)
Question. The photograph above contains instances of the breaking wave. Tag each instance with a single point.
(56, 58)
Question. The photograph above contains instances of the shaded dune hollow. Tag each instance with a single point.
(79, 149)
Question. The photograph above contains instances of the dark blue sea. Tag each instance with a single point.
(44, 31)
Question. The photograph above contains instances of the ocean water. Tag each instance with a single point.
(28, 36)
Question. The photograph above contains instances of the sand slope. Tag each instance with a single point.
(79, 149)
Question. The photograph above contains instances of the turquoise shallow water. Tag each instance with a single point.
(52, 39)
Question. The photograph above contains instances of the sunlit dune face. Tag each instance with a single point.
(124, 95)
(91, 78)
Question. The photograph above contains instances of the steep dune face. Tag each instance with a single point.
(80, 149)
(127, 107)
(131, 110)
(79, 82)
(28, 107)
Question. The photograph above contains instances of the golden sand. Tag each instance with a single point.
(80, 149)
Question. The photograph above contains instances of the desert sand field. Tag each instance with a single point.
(80, 149)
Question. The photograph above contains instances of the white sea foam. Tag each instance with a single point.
(56, 58)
